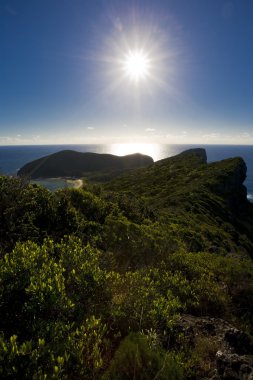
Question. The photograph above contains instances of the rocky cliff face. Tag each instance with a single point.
(230, 182)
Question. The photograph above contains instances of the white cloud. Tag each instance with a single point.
(246, 135)
(20, 140)
(150, 129)
(5, 139)
(90, 128)
(213, 135)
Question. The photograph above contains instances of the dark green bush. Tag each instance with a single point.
(135, 358)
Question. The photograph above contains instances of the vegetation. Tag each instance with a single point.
(69, 163)
(93, 281)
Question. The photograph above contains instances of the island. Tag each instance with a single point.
(69, 163)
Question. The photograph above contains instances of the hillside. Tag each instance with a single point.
(209, 200)
(147, 276)
(69, 163)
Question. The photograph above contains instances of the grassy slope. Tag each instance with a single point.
(208, 199)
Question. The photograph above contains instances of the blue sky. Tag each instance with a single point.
(62, 81)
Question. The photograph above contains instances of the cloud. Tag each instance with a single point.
(19, 140)
(5, 139)
(90, 128)
(150, 129)
(246, 135)
(213, 135)
(35, 138)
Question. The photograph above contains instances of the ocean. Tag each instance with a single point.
(14, 157)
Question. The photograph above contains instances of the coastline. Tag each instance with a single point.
(15, 156)
(54, 184)
(75, 183)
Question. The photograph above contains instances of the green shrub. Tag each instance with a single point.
(136, 359)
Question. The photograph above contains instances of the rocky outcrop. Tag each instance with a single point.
(233, 367)
(230, 182)
(239, 341)
(200, 153)
(232, 349)
(190, 157)
(68, 163)
(236, 361)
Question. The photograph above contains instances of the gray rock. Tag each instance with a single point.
(234, 366)
(234, 360)
(239, 341)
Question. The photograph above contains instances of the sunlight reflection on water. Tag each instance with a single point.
(152, 150)
(156, 151)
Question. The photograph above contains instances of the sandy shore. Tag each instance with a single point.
(75, 183)
(59, 183)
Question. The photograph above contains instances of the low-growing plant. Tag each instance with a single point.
(135, 358)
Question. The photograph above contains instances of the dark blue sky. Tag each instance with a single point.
(61, 77)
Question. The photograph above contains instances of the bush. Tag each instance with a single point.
(143, 300)
(136, 359)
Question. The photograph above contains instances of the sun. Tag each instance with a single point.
(136, 65)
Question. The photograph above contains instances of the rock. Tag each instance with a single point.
(234, 359)
(231, 183)
(233, 366)
(209, 328)
(239, 341)
(229, 374)
(245, 369)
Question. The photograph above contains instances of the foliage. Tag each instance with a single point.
(26, 212)
(135, 358)
(93, 280)
(143, 300)
(48, 293)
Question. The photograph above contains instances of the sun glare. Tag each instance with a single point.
(136, 65)
(152, 150)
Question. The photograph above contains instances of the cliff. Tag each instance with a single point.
(68, 163)
(198, 196)
(185, 175)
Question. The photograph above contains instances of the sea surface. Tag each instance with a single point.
(14, 157)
